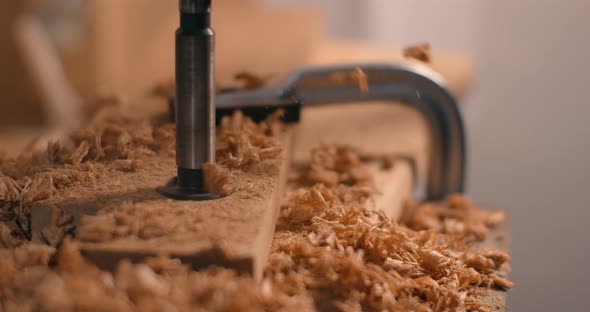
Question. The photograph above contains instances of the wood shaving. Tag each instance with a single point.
(41, 187)
(79, 154)
(334, 165)
(216, 179)
(357, 76)
(420, 52)
(456, 216)
(242, 143)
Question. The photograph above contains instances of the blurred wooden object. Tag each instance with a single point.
(62, 104)
(33, 85)
(128, 45)
(15, 75)
(125, 47)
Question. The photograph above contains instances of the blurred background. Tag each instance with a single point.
(525, 113)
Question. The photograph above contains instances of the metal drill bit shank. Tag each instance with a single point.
(195, 102)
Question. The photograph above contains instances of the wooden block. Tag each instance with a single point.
(235, 231)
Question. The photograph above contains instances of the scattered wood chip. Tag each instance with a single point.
(420, 52)
(216, 179)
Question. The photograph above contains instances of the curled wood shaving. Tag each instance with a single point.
(79, 154)
(41, 187)
(333, 165)
(420, 52)
(216, 179)
(242, 143)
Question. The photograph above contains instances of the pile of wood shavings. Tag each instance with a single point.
(349, 258)
(421, 52)
(242, 143)
(330, 252)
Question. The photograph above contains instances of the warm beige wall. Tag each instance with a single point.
(125, 47)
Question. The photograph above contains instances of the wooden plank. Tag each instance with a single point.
(235, 231)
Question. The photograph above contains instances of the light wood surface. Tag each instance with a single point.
(395, 186)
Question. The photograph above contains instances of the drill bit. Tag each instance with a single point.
(195, 100)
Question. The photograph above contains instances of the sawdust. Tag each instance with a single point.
(420, 52)
(457, 216)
